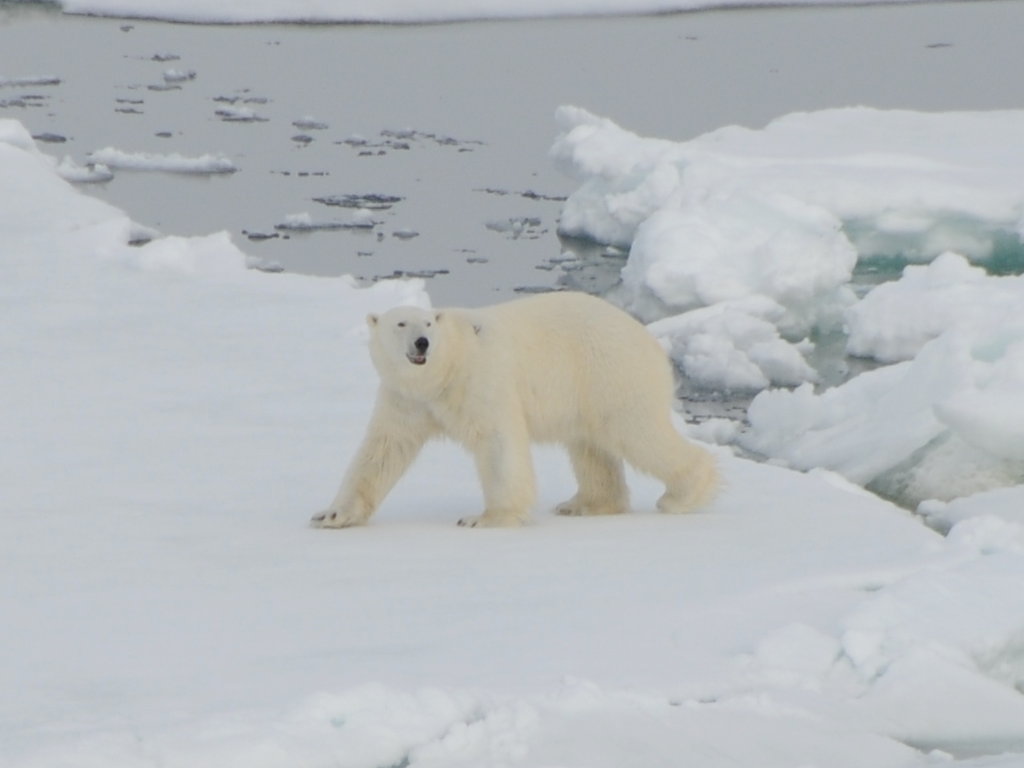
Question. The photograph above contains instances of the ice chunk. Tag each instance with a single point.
(1004, 503)
(896, 319)
(71, 171)
(179, 75)
(785, 211)
(304, 222)
(171, 163)
(232, 114)
(864, 427)
(739, 245)
(30, 80)
(734, 345)
(946, 422)
(309, 123)
(943, 425)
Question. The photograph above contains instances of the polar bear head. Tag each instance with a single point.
(414, 348)
(402, 336)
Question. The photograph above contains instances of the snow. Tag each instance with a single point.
(398, 11)
(172, 419)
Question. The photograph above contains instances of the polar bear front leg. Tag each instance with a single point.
(505, 468)
(394, 437)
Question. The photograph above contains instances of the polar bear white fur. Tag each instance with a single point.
(557, 367)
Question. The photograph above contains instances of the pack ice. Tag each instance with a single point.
(750, 248)
(171, 418)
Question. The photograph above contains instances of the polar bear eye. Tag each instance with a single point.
(401, 325)
(428, 324)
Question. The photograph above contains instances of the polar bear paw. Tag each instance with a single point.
(576, 508)
(697, 496)
(334, 518)
(493, 520)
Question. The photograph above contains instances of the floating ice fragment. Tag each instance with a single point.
(91, 173)
(371, 202)
(50, 138)
(259, 237)
(516, 227)
(413, 273)
(297, 221)
(303, 222)
(309, 124)
(172, 163)
(33, 80)
(263, 265)
(363, 217)
(239, 115)
(178, 75)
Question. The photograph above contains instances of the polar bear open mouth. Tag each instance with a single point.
(416, 359)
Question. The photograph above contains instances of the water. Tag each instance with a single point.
(443, 130)
(455, 120)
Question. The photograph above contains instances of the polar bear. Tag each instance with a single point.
(557, 367)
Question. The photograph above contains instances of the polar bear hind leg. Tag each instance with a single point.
(602, 483)
(688, 472)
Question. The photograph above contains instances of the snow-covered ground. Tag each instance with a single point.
(171, 419)
(400, 11)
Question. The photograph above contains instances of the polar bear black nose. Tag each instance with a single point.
(421, 344)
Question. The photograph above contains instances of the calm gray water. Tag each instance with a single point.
(457, 118)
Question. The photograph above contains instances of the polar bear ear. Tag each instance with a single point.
(371, 320)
